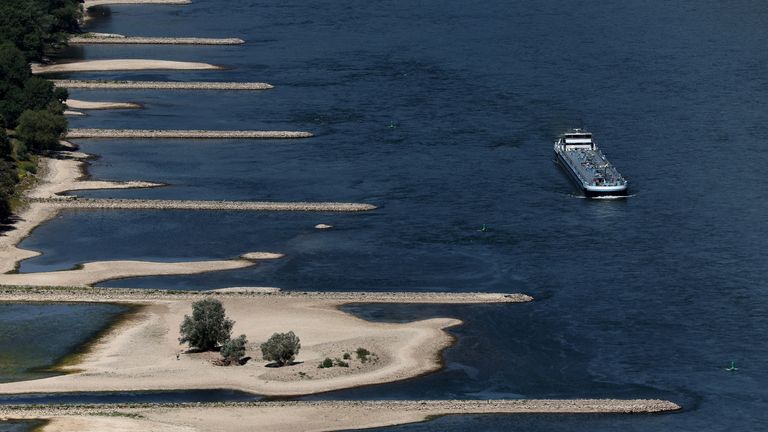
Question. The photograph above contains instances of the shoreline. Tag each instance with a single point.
(308, 415)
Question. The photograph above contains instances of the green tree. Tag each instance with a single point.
(281, 348)
(38, 93)
(207, 327)
(41, 129)
(233, 350)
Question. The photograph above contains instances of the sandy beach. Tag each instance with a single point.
(120, 65)
(306, 416)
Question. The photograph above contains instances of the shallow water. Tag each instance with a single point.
(32, 337)
(652, 296)
(19, 426)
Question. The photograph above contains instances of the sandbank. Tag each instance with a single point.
(119, 65)
(140, 354)
(93, 105)
(313, 416)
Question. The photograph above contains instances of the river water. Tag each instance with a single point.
(443, 113)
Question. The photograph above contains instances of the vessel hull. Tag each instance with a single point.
(590, 191)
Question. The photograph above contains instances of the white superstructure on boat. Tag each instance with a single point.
(587, 166)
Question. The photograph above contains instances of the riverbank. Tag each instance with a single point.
(306, 416)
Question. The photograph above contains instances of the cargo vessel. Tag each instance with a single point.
(585, 164)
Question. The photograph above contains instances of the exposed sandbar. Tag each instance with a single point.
(141, 353)
(135, 204)
(141, 40)
(119, 65)
(161, 85)
(307, 416)
(94, 272)
(92, 105)
(185, 134)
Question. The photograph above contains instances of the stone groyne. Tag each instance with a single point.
(140, 40)
(192, 134)
(160, 85)
(623, 406)
(128, 204)
(78, 294)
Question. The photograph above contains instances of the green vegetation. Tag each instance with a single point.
(29, 104)
(281, 348)
(233, 350)
(327, 363)
(363, 354)
(207, 327)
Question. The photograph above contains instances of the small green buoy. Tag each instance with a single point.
(732, 367)
(483, 228)
(392, 124)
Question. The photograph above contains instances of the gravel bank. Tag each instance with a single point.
(193, 134)
(87, 203)
(161, 85)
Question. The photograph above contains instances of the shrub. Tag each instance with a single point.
(347, 356)
(362, 354)
(233, 350)
(207, 327)
(281, 348)
(326, 363)
(341, 363)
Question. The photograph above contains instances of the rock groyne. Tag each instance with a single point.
(187, 134)
(160, 85)
(78, 294)
(128, 204)
(141, 40)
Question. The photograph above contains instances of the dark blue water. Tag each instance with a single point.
(32, 338)
(651, 297)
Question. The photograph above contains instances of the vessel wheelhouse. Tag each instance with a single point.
(583, 161)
